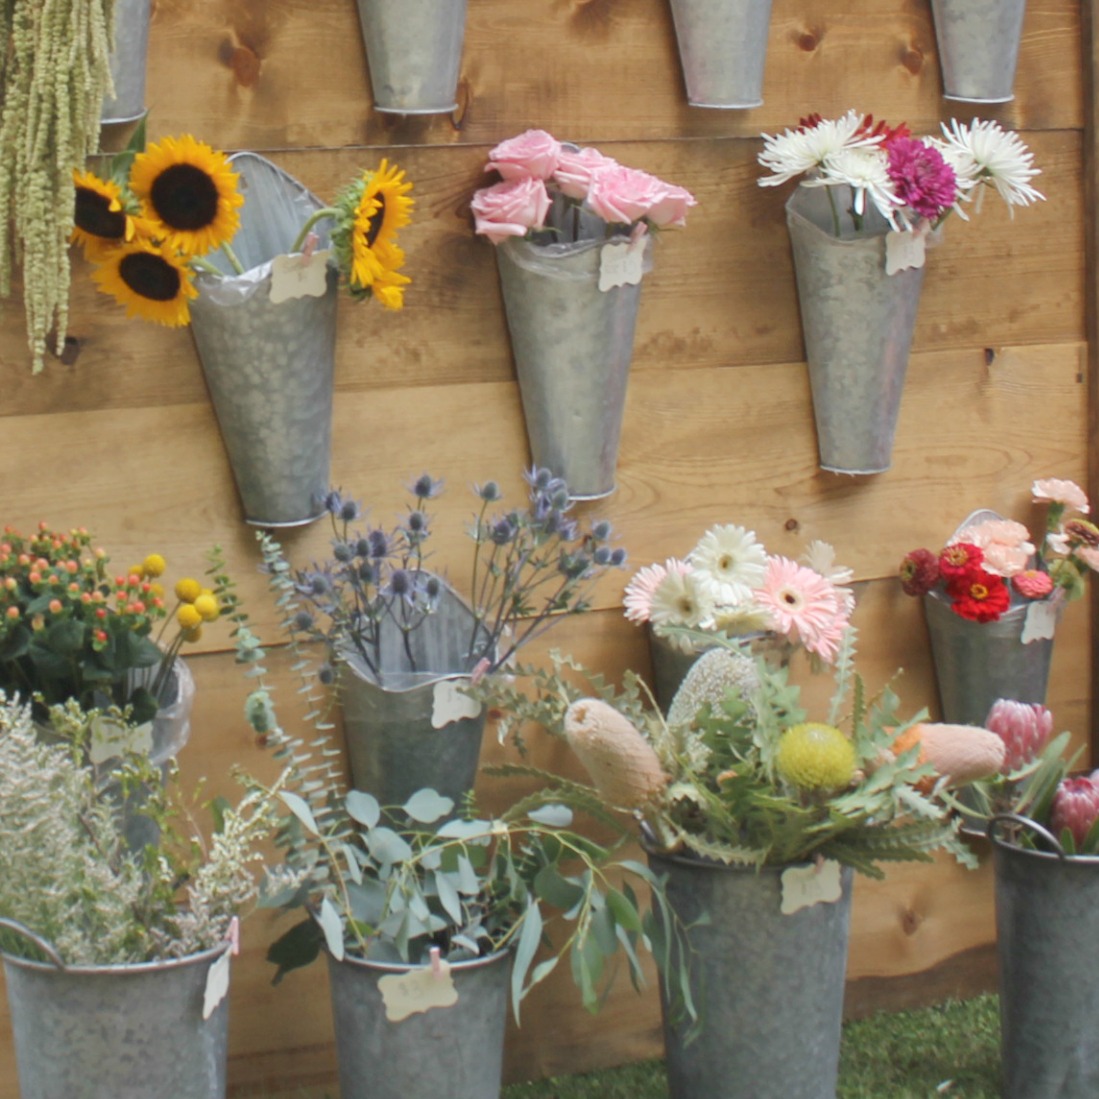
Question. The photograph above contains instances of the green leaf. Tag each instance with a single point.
(386, 846)
(552, 816)
(363, 808)
(66, 636)
(448, 896)
(427, 806)
(296, 948)
(301, 810)
(603, 931)
(468, 882)
(555, 889)
(625, 911)
(332, 926)
(530, 936)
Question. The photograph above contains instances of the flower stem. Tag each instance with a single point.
(299, 240)
(231, 256)
(201, 264)
(835, 212)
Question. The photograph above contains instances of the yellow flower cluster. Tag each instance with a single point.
(196, 605)
(814, 756)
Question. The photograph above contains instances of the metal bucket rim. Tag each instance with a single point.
(353, 961)
(698, 862)
(119, 969)
(1060, 856)
(864, 238)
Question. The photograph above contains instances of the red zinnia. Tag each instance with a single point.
(956, 562)
(919, 572)
(980, 596)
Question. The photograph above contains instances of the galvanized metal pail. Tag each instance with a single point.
(857, 322)
(1047, 932)
(269, 366)
(446, 1052)
(414, 51)
(768, 986)
(118, 1031)
(128, 62)
(722, 48)
(572, 344)
(978, 47)
(409, 729)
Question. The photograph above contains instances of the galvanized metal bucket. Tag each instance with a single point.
(446, 1052)
(414, 51)
(978, 662)
(118, 1031)
(128, 62)
(1047, 932)
(572, 344)
(269, 366)
(768, 986)
(723, 49)
(858, 323)
(978, 47)
(407, 730)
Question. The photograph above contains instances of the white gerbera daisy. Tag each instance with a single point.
(680, 600)
(789, 154)
(983, 152)
(821, 557)
(730, 563)
(866, 172)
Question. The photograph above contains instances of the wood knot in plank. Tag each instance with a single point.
(912, 59)
(910, 921)
(810, 39)
(245, 63)
(792, 525)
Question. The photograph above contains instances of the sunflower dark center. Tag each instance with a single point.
(185, 197)
(150, 276)
(377, 220)
(94, 215)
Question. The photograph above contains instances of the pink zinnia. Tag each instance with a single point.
(921, 178)
(804, 605)
(638, 596)
(1033, 583)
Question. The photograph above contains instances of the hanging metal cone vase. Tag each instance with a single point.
(117, 1032)
(978, 44)
(269, 361)
(722, 48)
(572, 344)
(414, 52)
(768, 986)
(1047, 932)
(453, 1052)
(857, 323)
(406, 730)
(128, 62)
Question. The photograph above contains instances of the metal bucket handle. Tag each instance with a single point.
(1016, 818)
(44, 945)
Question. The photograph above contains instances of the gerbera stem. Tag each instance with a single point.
(231, 256)
(299, 240)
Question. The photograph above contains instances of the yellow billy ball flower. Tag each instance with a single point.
(188, 590)
(207, 606)
(813, 756)
(192, 634)
(188, 617)
(154, 565)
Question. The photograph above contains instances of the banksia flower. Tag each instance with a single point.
(814, 756)
(710, 679)
(958, 753)
(620, 761)
(1075, 807)
(1024, 727)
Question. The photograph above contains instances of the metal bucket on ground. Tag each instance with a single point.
(978, 44)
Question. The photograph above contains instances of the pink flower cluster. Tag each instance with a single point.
(922, 179)
(535, 164)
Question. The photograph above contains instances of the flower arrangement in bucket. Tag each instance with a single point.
(262, 308)
(401, 642)
(754, 815)
(730, 585)
(870, 202)
(572, 230)
(55, 71)
(993, 597)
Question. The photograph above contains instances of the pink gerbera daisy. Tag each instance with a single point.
(638, 596)
(803, 605)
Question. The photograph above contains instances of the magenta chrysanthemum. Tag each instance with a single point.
(803, 604)
(638, 596)
(922, 179)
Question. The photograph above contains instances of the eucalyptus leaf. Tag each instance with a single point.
(552, 816)
(300, 808)
(448, 896)
(557, 890)
(363, 807)
(468, 882)
(530, 936)
(387, 846)
(332, 926)
(427, 806)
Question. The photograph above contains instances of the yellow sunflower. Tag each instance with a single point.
(100, 218)
(149, 281)
(370, 212)
(189, 192)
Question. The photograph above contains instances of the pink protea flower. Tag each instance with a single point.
(803, 605)
(1075, 807)
(919, 571)
(638, 596)
(1033, 583)
(1024, 727)
(922, 179)
(1066, 493)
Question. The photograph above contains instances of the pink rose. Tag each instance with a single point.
(575, 169)
(531, 154)
(626, 195)
(511, 208)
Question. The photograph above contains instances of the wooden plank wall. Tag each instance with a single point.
(718, 423)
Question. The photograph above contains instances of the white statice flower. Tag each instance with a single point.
(984, 152)
(681, 600)
(807, 148)
(866, 172)
(729, 563)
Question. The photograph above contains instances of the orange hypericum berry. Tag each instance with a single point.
(101, 613)
(55, 606)
(12, 612)
(34, 577)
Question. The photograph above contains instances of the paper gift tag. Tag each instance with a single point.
(113, 739)
(620, 263)
(907, 249)
(217, 985)
(299, 276)
(417, 990)
(449, 703)
(804, 886)
(1041, 621)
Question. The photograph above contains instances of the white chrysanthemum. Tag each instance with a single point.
(866, 172)
(680, 600)
(796, 151)
(983, 152)
(729, 563)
